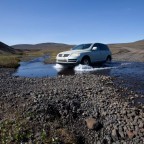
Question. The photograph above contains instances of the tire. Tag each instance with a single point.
(108, 60)
(86, 61)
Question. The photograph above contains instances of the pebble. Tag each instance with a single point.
(130, 134)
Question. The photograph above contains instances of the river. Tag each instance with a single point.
(126, 74)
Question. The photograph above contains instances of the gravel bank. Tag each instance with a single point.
(83, 109)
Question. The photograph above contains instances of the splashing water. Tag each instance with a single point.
(58, 66)
(85, 68)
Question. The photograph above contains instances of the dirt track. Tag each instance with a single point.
(127, 53)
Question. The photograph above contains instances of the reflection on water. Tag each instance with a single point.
(66, 71)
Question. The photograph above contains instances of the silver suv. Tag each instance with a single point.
(85, 54)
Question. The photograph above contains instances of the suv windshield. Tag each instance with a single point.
(81, 47)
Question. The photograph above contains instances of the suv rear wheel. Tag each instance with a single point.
(108, 60)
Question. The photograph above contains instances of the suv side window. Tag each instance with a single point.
(106, 47)
(103, 47)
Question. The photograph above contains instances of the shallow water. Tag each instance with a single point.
(131, 73)
(37, 68)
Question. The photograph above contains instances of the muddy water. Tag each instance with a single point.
(126, 74)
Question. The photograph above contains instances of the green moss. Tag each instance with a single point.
(14, 131)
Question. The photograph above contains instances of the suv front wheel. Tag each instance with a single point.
(86, 61)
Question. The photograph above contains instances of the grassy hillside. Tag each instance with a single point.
(5, 49)
(9, 57)
(42, 46)
(133, 51)
(128, 51)
(52, 49)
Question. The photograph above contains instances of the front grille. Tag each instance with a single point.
(62, 60)
(72, 60)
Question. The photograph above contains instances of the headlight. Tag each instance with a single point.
(75, 54)
(59, 55)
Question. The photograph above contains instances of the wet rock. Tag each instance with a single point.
(104, 113)
(104, 141)
(114, 134)
(130, 134)
(141, 124)
(98, 126)
(98, 142)
(91, 123)
(121, 133)
(142, 130)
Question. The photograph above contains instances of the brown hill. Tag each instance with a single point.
(133, 51)
(133, 45)
(5, 49)
(42, 46)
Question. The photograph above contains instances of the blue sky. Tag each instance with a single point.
(71, 21)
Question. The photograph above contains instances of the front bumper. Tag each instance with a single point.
(67, 61)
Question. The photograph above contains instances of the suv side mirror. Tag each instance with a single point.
(94, 48)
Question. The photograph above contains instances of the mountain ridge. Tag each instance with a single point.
(41, 45)
(56, 45)
(5, 49)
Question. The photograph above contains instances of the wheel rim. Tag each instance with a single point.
(86, 62)
(108, 60)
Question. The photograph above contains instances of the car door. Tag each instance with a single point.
(104, 51)
(96, 54)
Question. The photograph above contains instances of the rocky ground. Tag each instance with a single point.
(81, 109)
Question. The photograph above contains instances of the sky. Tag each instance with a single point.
(71, 21)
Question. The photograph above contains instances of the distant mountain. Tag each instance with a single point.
(41, 46)
(133, 51)
(5, 49)
(136, 44)
(140, 41)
